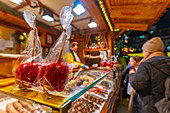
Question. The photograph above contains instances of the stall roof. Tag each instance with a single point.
(137, 15)
(78, 23)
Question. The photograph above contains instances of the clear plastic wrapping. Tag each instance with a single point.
(27, 67)
(55, 70)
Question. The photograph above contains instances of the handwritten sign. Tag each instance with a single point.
(131, 26)
(134, 12)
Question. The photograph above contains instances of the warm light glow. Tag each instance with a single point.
(79, 9)
(17, 1)
(101, 6)
(47, 18)
(24, 33)
(105, 15)
(92, 25)
(136, 54)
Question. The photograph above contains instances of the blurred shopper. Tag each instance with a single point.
(149, 80)
(133, 64)
(135, 102)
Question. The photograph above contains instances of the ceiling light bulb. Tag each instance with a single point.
(79, 9)
(92, 25)
(17, 1)
(48, 18)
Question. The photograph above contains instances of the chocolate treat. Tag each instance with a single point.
(85, 95)
(101, 94)
(92, 99)
(97, 98)
(78, 103)
(89, 97)
(97, 101)
(73, 111)
(81, 99)
(86, 108)
(93, 109)
(81, 102)
(83, 111)
(75, 105)
(101, 100)
(96, 107)
(79, 108)
(90, 110)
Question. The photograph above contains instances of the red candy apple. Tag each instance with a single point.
(102, 63)
(27, 72)
(53, 76)
(109, 63)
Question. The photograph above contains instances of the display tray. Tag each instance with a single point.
(4, 102)
(37, 96)
(52, 100)
(103, 96)
(84, 104)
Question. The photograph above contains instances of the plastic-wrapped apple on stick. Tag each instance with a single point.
(54, 72)
(28, 65)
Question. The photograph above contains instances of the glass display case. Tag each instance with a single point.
(93, 87)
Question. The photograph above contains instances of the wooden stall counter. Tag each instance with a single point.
(6, 64)
(75, 70)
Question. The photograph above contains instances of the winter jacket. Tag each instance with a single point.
(125, 76)
(149, 82)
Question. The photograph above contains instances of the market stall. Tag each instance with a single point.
(93, 86)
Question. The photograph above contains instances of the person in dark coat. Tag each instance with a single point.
(149, 80)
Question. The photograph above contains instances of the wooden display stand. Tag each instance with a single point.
(86, 59)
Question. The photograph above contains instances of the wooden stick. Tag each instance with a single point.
(33, 46)
(62, 47)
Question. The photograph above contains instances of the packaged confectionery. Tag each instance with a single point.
(28, 65)
(54, 72)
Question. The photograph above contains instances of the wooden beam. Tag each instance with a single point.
(113, 42)
(86, 18)
(13, 26)
(21, 6)
(13, 20)
(41, 4)
(120, 33)
(78, 20)
(75, 27)
(109, 41)
(162, 9)
(94, 30)
(94, 11)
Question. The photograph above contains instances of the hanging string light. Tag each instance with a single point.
(104, 12)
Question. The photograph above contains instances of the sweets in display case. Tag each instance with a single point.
(12, 105)
(87, 103)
